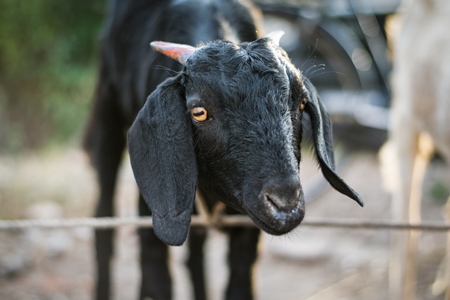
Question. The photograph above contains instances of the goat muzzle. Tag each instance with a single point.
(280, 207)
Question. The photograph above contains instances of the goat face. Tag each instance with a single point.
(247, 149)
(231, 122)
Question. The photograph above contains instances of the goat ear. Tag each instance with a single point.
(163, 161)
(320, 126)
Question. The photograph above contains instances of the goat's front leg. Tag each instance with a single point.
(156, 282)
(195, 263)
(107, 157)
(241, 259)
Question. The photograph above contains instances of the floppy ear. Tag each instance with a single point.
(163, 160)
(319, 125)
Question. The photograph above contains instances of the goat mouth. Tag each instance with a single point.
(276, 221)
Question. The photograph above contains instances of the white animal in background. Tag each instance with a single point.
(420, 124)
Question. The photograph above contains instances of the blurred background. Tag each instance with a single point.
(48, 68)
(48, 55)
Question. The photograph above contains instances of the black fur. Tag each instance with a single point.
(246, 154)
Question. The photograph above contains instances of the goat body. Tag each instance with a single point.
(420, 121)
(244, 149)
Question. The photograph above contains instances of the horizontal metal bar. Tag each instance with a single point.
(225, 221)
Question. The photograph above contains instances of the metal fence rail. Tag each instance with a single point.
(225, 221)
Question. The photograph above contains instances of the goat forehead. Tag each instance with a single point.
(245, 91)
(222, 56)
(231, 70)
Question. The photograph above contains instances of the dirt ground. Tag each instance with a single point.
(307, 264)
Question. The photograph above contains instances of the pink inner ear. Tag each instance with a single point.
(179, 52)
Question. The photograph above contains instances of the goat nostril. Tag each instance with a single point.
(285, 205)
(275, 201)
(284, 195)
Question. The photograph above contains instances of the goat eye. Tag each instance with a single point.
(199, 114)
(303, 103)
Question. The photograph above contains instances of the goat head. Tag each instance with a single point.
(230, 124)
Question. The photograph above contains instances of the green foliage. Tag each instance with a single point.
(439, 192)
(48, 54)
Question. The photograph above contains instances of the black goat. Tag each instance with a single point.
(230, 124)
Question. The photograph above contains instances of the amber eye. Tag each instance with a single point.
(303, 103)
(199, 114)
